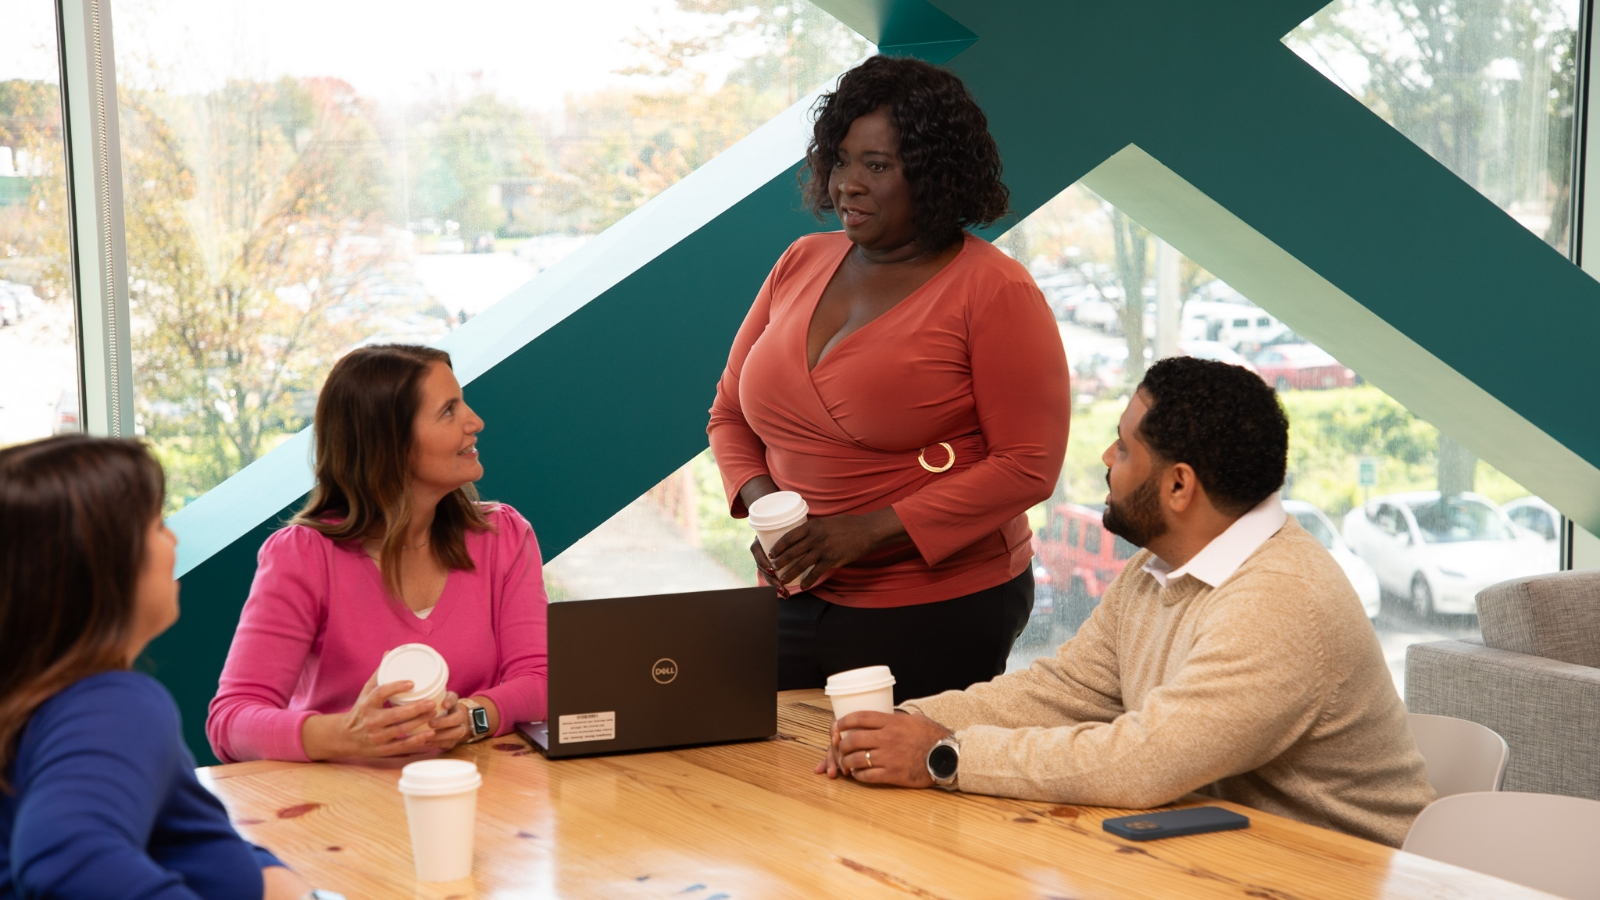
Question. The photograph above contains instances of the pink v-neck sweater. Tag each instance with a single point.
(318, 622)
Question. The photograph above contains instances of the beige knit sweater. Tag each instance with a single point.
(1269, 690)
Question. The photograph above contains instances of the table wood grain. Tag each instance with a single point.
(751, 820)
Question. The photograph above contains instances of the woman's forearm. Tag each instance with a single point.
(756, 488)
(885, 529)
(493, 711)
(320, 736)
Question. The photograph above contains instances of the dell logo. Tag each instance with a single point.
(664, 671)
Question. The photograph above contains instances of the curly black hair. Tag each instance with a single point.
(1222, 420)
(950, 159)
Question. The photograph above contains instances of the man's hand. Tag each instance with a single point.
(898, 745)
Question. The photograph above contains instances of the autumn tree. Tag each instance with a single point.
(33, 223)
(254, 216)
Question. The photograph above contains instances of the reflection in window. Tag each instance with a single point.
(1359, 462)
(38, 356)
(1450, 520)
(294, 190)
(1484, 86)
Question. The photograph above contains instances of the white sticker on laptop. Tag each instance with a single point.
(601, 726)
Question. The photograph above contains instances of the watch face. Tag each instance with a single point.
(480, 720)
(942, 762)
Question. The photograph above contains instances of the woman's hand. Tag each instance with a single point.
(832, 541)
(450, 728)
(281, 883)
(764, 566)
(370, 728)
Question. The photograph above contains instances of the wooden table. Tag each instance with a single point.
(750, 820)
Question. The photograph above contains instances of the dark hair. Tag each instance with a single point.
(950, 159)
(364, 427)
(74, 514)
(1222, 420)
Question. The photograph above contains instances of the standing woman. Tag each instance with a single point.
(908, 380)
(98, 794)
(393, 548)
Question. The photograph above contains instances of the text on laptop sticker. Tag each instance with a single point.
(600, 726)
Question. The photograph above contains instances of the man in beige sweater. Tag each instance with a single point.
(1231, 657)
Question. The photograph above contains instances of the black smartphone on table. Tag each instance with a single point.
(1175, 823)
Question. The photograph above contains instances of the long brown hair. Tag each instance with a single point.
(364, 427)
(74, 514)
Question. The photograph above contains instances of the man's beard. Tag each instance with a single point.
(1137, 519)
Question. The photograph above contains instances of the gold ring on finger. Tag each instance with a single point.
(869, 759)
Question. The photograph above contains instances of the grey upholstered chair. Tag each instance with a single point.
(1534, 678)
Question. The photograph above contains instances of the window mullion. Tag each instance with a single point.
(94, 190)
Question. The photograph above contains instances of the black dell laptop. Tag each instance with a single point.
(638, 673)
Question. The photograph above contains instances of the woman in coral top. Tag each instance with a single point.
(908, 380)
(392, 548)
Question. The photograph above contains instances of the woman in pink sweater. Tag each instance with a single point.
(392, 548)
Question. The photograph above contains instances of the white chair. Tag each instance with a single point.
(1462, 756)
(1543, 841)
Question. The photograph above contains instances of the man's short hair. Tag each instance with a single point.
(1222, 420)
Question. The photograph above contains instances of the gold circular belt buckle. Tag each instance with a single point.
(922, 458)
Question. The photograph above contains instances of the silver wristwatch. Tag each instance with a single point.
(943, 760)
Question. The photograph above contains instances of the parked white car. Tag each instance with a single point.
(1441, 554)
(1361, 576)
(1535, 515)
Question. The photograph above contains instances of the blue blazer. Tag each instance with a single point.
(105, 803)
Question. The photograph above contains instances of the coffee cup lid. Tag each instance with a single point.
(777, 509)
(437, 777)
(417, 663)
(856, 681)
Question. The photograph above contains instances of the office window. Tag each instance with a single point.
(302, 178)
(38, 355)
(1416, 521)
(1486, 87)
(677, 537)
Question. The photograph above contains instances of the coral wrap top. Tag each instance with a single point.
(972, 359)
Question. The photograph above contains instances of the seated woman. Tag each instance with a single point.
(392, 548)
(98, 794)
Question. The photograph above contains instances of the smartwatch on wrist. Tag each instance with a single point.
(943, 761)
(477, 720)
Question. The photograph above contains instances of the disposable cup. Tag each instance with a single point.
(441, 807)
(870, 688)
(774, 516)
(423, 667)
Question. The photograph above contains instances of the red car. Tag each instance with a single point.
(1082, 559)
(1302, 367)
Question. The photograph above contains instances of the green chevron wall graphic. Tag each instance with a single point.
(595, 378)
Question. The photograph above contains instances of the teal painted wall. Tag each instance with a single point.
(599, 408)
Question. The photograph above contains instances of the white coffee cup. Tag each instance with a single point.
(442, 809)
(423, 667)
(774, 516)
(870, 688)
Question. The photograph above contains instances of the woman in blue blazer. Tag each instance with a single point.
(98, 795)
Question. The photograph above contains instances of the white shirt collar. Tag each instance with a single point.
(1218, 560)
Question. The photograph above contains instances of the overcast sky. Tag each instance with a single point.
(532, 51)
